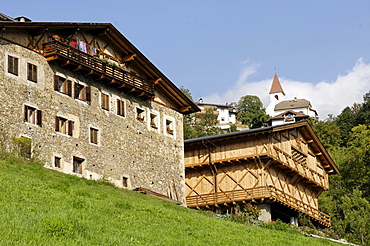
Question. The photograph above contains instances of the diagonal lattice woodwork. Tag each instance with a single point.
(287, 159)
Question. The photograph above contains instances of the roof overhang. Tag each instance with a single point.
(114, 37)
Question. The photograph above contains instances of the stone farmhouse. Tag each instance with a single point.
(92, 104)
(282, 169)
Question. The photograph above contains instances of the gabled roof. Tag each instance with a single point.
(216, 105)
(292, 104)
(303, 126)
(120, 42)
(296, 114)
(5, 18)
(276, 86)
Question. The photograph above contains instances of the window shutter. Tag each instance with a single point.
(76, 90)
(25, 113)
(34, 73)
(92, 136)
(39, 117)
(70, 127)
(57, 124)
(56, 82)
(69, 88)
(29, 72)
(10, 64)
(102, 101)
(15, 65)
(119, 107)
(88, 93)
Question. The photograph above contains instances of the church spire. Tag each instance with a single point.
(276, 86)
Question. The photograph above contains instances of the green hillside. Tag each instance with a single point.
(44, 207)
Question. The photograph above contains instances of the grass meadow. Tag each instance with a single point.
(39, 206)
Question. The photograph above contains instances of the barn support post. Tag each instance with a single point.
(294, 221)
(265, 215)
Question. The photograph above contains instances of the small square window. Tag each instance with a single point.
(32, 115)
(120, 107)
(169, 127)
(153, 121)
(140, 114)
(57, 162)
(77, 164)
(94, 135)
(13, 65)
(31, 72)
(105, 101)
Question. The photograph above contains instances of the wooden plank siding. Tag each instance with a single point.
(270, 164)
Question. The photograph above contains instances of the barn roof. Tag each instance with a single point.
(303, 126)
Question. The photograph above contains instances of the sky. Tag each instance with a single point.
(223, 50)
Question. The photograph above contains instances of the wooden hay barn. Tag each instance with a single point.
(282, 169)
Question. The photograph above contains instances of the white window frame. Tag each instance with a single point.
(172, 126)
(154, 123)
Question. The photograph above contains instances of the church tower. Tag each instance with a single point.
(276, 95)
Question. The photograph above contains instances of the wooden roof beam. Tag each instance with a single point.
(66, 63)
(78, 68)
(156, 81)
(184, 109)
(129, 58)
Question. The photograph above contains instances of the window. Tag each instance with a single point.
(77, 164)
(63, 85)
(32, 115)
(64, 125)
(105, 101)
(57, 161)
(120, 107)
(169, 127)
(83, 92)
(13, 65)
(140, 114)
(153, 121)
(124, 181)
(94, 134)
(31, 72)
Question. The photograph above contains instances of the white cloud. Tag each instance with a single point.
(325, 97)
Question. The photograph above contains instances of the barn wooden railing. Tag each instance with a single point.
(306, 172)
(266, 192)
(55, 50)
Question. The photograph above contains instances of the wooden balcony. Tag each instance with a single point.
(267, 192)
(97, 68)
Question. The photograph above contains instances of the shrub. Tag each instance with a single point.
(277, 225)
(247, 215)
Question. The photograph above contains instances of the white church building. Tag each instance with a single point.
(286, 111)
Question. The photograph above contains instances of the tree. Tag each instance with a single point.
(327, 131)
(363, 116)
(251, 112)
(347, 120)
(206, 126)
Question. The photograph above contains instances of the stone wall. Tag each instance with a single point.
(129, 152)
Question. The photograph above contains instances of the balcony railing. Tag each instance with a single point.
(56, 50)
(266, 192)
